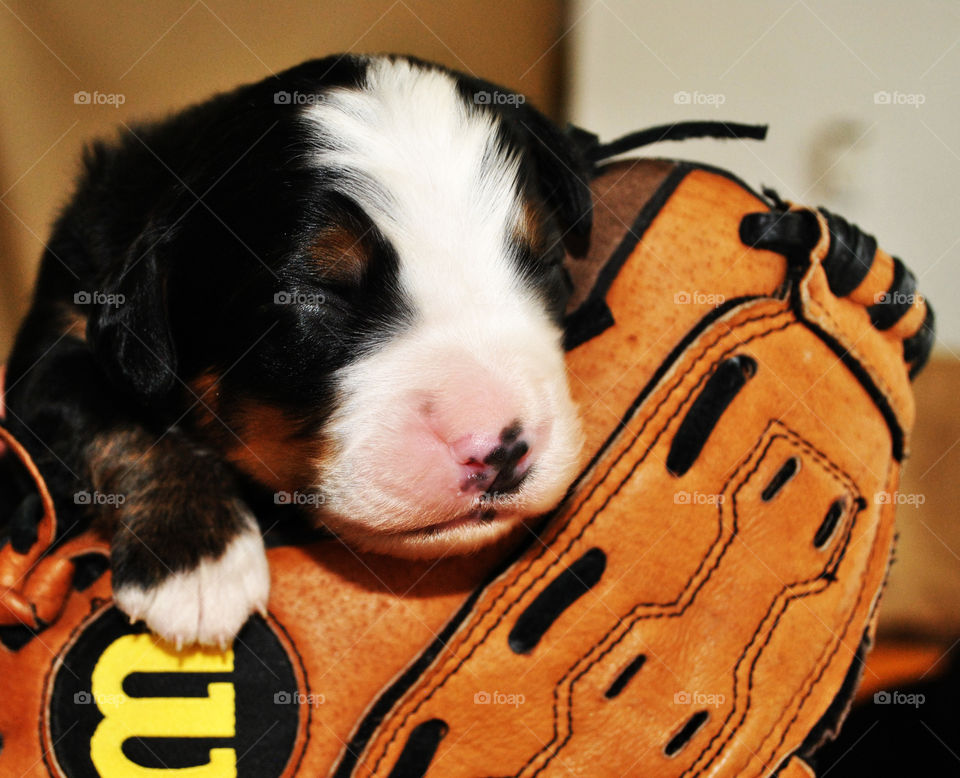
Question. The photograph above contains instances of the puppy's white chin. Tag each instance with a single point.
(454, 538)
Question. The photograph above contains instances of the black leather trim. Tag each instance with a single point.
(420, 749)
(793, 234)
(706, 409)
(898, 299)
(850, 255)
(917, 348)
(558, 595)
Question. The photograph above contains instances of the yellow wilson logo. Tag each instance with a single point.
(122, 704)
(125, 716)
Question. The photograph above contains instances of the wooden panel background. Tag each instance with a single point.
(163, 55)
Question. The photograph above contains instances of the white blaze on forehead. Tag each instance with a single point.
(427, 167)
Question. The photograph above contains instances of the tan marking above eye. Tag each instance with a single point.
(529, 225)
(341, 254)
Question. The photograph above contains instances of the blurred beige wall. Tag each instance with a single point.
(162, 55)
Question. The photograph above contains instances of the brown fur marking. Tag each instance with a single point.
(274, 452)
(341, 254)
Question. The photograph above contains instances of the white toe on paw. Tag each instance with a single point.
(208, 604)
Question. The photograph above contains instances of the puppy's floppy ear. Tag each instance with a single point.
(563, 171)
(563, 175)
(129, 330)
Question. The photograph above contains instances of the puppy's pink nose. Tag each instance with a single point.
(492, 463)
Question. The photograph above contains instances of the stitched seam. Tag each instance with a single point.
(97, 604)
(838, 474)
(813, 685)
(836, 559)
(306, 683)
(839, 333)
(628, 628)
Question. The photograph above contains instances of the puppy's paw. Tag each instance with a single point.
(208, 603)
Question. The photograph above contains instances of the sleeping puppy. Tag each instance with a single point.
(341, 285)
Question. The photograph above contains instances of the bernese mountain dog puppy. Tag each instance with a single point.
(343, 286)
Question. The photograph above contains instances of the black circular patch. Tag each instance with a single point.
(119, 698)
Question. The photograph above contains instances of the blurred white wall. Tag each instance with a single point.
(863, 102)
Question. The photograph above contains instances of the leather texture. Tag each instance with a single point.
(695, 607)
